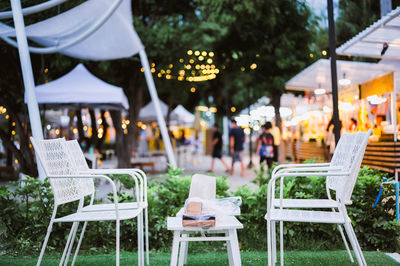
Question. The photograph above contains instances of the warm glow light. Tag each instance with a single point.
(319, 91)
(344, 82)
(188, 66)
(171, 65)
(168, 76)
(142, 69)
(192, 89)
(190, 52)
(153, 65)
(123, 126)
(233, 109)
(57, 131)
(198, 66)
(211, 54)
(213, 109)
(311, 55)
(324, 52)
(143, 127)
(375, 99)
(75, 131)
(242, 68)
(180, 60)
(191, 61)
(209, 60)
(202, 108)
(253, 66)
(201, 58)
(13, 124)
(196, 53)
(204, 53)
(13, 132)
(99, 121)
(153, 70)
(85, 128)
(181, 72)
(7, 117)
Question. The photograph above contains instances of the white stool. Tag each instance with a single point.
(226, 225)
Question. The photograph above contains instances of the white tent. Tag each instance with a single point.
(148, 113)
(95, 30)
(80, 87)
(318, 74)
(370, 42)
(182, 116)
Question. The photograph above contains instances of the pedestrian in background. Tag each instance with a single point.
(265, 146)
(217, 149)
(236, 141)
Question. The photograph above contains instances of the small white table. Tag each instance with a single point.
(226, 225)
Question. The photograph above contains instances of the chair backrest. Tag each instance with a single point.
(348, 154)
(203, 187)
(56, 160)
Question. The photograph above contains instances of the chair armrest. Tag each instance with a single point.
(321, 173)
(284, 166)
(94, 176)
(133, 173)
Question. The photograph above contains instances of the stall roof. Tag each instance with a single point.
(369, 42)
(318, 75)
(79, 87)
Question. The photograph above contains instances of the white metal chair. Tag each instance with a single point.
(341, 175)
(69, 185)
(78, 157)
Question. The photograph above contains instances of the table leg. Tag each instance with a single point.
(175, 248)
(234, 243)
(183, 251)
(229, 248)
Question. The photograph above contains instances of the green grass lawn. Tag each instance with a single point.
(216, 258)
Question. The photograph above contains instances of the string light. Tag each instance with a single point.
(204, 53)
(311, 55)
(209, 60)
(192, 89)
(211, 54)
(233, 109)
(201, 58)
(190, 52)
(196, 53)
(253, 66)
(324, 52)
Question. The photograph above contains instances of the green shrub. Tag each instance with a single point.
(26, 206)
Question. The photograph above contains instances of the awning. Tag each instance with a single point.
(318, 75)
(370, 42)
(116, 38)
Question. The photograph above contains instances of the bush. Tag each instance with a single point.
(25, 211)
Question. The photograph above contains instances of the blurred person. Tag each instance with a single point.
(353, 125)
(265, 146)
(236, 141)
(217, 149)
(276, 133)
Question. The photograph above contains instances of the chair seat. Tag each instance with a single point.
(111, 206)
(99, 216)
(306, 216)
(306, 203)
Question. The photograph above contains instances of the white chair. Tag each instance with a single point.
(78, 157)
(69, 186)
(341, 174)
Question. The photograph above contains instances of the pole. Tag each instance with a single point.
(250, 165)
(332, 49)
(27, 74)
(156, 101)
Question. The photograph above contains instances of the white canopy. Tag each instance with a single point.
(116, 38)
(182, 116)
(80, 87)
(318, 75)
(148, 112)
(369, 42)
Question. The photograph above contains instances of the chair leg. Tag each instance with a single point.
(139, 248)
(49, 228)
(79, 243)
(281, 240)
(229, 248)
(273, 240)
(67, 245)
(358, 245)
(175, 248)
(71, 243)
(117, 243)
(269, 242)
(141, 238)
(146, 221)
(347, 227)
(345, 242)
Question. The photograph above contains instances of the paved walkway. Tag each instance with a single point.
(201, 164)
